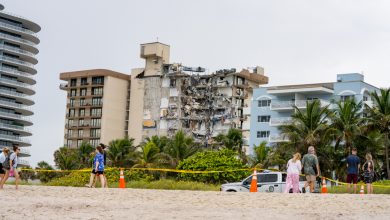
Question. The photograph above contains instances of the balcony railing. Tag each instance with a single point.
(277, 138)
(84, 115)
(17, 50)
(23, 162)
(16, 72)
(85, 103)
(14, 127)
(86, 123)
(17, 39)
(15, 94)
(24, 151)
(280, 121)
(289, 105)
(17, 61)
(14, 138)
(17, 83)
(15, 105)
(15, 116)
(82, 136)
(13, 27)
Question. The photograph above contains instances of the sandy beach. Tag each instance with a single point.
(39, 202)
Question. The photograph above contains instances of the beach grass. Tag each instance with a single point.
(380, 187)
(170, 184)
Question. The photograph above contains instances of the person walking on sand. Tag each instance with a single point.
(368, 169)
(4, 154)
(11, 164)
(97, 167)
(104, 175)
(311, 168)
(294, 167)
(353, 167)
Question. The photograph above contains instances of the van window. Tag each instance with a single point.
(267, 178)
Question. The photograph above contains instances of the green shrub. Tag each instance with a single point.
(170, 184)
(223, 160)
(78, 178)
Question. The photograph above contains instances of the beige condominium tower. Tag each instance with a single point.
(96, 106)
(167, 97)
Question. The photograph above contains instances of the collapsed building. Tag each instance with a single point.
(166, 97)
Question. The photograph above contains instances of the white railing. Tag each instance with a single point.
(20, 62)
(275, 105)
(280, 121)
(14, 138)
(15, 116)
(16, 72)
(15, 94)
(277, 138)
(15, 105)
(13, 82)
(17, 50)
(13, 127)
(23, 162)
(24, 151)
(13, 27)
(17, 39)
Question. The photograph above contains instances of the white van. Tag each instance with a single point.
(267, 181)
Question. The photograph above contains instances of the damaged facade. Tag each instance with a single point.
(167, 97)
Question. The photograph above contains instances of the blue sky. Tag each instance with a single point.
(300, 41)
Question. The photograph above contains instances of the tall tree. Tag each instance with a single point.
(180, 147)
(85, 151)
(120, 152)
(346, 122)
(67, 158)
(149, 155)
(380, 119)
(308, 127)
(232, 140)
(260, 154)
(160, 141)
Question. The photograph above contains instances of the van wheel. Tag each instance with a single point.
(231, 190)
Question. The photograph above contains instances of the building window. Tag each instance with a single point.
(95, 122)
(81, 122)
(80, 133)
(84, 81)
(94, 142)
(365, 98)
(264, 103)
(79, 142)
(70, 132)
(82, 102)
(71, 112)
(263, 118)
(81, 112)
(83, 92)
(98, 80)
(69, 143)
(73, 92)
(70, 122)
(96, 112)
(262, 134)
(344, 98)
(71, 102)
(95, 132)
(73, 82)
(97, 91)
(97, 101)
(172, 83)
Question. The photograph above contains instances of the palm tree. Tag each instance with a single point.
(160, 141)
(380, 119)
(260, 155)
(181, 147)
(45, 176)
(66, 158)
(309, 127)
(346, 122)
(232, 140)
(120, 152)
(85, 151)
(150, 156)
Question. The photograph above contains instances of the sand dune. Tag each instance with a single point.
(39, 202)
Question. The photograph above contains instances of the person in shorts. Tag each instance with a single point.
(311, 168)
(353, 167)
(97, 167)
(4, 154)
(368, 172)
(11, 164)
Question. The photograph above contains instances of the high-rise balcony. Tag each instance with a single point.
(21, 129)
(28, 66)
(26, 99)
(23, 163)
(280, 121)
(289, 105)
(16, 28)
(23, 119)
(28, 55)
(16, 83)
(19, 40)
(24, 109)
(277, 138)
(15, 139)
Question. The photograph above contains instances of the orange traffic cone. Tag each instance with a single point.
(122, 183)
(324, 189)
(362, 190)
(253, 187)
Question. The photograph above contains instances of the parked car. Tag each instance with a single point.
(267, 181)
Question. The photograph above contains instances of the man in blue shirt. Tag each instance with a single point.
(353, 166)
